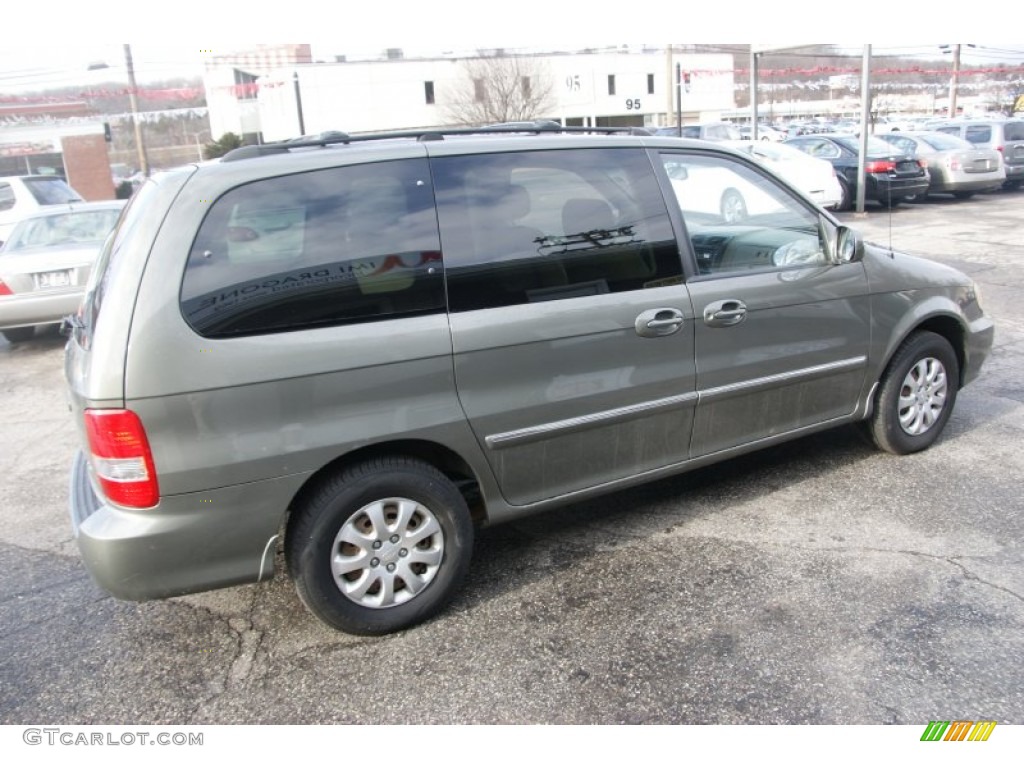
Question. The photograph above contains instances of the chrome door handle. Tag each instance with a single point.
(721, 314)
(663, 321)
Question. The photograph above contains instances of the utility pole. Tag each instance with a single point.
(133, 100)
(865, 114)
(753, 93)
(298, 104)
(953, 81)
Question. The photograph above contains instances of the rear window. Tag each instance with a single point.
(943, 141)
(978, 134)
(63, 229)
(114, 252)
(51, 191)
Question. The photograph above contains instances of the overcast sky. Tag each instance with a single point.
(173, 39)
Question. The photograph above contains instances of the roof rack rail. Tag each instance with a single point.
(327, 138)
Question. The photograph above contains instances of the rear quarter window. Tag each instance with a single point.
(322, 248)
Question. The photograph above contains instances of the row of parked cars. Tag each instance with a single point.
(958, 158)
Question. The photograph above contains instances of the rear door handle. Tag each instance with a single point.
(721, 314)
(663, 321)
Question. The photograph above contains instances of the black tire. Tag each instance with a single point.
(733, 207)
(846, 203)
(1012, 184)
(16, 335)
(963, 195)
(924, 372)
(340, 510)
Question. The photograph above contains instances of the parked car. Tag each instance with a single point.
(1005, 136)
(45, 264)
(764, 133)
(22, 195)
(713, 131)
(955, 166)
(891, 174)
(815, 178)
(275, 353)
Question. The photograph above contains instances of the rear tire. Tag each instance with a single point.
(917, 394)
(17, 335)
(733, 207)
(380, 546)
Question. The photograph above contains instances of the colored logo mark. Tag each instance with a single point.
(958, 730)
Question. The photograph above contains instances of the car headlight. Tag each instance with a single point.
(974, 294)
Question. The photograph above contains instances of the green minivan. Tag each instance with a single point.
(353, 351)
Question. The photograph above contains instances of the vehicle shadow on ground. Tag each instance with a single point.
(44, 340)
(512, 555)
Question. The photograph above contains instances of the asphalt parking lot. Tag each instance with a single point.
(820, 582)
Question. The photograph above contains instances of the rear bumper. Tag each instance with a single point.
(188, 543)
(1014, 171)
(28, 309)
(882, 187)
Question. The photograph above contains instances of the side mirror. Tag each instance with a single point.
(849, 247)
(677, 171)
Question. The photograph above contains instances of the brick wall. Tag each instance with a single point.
(87, 165)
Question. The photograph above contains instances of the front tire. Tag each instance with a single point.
(846, 202)
(917, 395)
(380, 546)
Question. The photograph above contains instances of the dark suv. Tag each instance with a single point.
(356, 350)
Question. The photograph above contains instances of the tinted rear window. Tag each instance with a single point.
(114, 252)
(51, 191)
(323, 248)
(978, 134)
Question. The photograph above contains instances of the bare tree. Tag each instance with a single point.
(501, 89)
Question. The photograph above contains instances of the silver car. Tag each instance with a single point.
(45, 264)
(956, 166)
(1006, 136)
(353, 351)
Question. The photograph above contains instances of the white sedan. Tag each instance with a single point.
(814, 177)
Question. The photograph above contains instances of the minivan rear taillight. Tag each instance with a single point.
(121, 458)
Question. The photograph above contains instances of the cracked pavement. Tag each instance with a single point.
(816, 582)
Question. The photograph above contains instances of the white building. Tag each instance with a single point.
(610, 89)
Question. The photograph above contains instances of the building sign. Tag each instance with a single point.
(24, 148)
